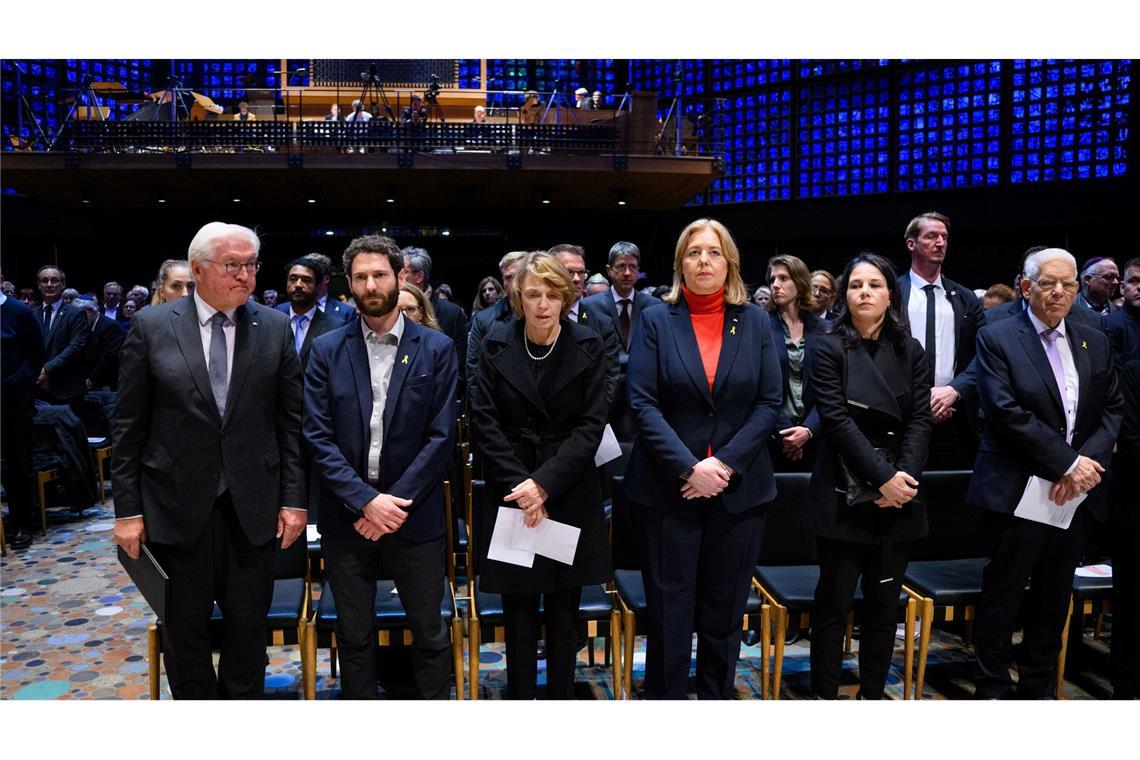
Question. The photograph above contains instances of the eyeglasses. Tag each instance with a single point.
(410, 309)
(1109, 277)
(232, 267)
(579, 272)
(1069, 286)
(822, 291)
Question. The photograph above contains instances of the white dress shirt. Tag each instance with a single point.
(111, 312)
(54, 312)
(943, 325)
(381, 360)
(205, 314)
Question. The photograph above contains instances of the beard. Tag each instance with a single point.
(377, 303)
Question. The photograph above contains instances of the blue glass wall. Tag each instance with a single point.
(843, 130)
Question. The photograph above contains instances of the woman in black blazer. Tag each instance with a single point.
(794, 328)
(869, 383)
(704, 394)
(537, 419)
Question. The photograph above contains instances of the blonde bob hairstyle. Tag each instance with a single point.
(546, 267)
(734, 290)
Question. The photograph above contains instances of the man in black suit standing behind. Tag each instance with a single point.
(945, 318)
(307, 322)
(63, 379)
(207, 464)
(452, 318)
(1053, 409)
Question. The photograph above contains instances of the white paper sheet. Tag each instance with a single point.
(1035, 505)
(1094, 571)
(550, 538)
(609, 449)
(500, 546)
(311, 533)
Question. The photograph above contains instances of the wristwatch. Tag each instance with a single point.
(687, 474)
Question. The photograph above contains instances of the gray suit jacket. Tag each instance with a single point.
(172, 447)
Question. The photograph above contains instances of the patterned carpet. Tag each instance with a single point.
(74, 627)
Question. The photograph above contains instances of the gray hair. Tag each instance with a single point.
(419, 260)
(203, 243)
(509, 259)
(85, 304)
(71, 293)
(1035, 260)
(624, 248)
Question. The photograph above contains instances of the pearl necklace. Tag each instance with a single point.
(549, 351)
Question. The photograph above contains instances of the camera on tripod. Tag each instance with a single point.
(370, 76)
(431, 94)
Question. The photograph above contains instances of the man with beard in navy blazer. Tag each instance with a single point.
(1053, 410)
(380, 421)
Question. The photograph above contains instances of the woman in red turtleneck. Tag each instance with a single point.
(704, 391)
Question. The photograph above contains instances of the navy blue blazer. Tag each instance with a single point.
(1123, 328)
(1025, 430)
(676, 419)
(419, 428)
(813, 327)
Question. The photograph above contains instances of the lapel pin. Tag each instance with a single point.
(405, 361)
(733, 330)
(1084, 344)
(253, 324)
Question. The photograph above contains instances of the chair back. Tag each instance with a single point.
(786, 540)
(956, 530)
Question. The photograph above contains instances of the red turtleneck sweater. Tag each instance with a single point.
(708, 324)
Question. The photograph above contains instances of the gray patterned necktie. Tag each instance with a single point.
(219, 373)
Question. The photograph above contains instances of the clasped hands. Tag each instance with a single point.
(897, 491)
(710, 477)
(942, 400)
(384, 514)
(793, 440)
(531, 497)
(1084, 477)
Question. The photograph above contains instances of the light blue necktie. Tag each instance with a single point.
(298, 330)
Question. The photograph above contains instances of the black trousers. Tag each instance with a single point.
(17, 422)
(698, 569)
(522, 623)
(1125, 656)
(222, 566)
(1024, 553)
(841, 565)
(953, 444)
(353, 566)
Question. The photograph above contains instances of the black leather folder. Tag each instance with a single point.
(150, 579)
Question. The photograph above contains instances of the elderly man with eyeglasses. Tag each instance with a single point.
(1099, 279)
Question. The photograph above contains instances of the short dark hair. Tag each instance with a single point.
(316, 266)
(1132, 263)
(62, 276)
(574, 250)
(624, 248)
(380, 244)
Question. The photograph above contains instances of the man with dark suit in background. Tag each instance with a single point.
(1053, 409)
(573, 257)
(207, 461)
(1099, 278)
(1123, 324)
(21, 358)
(380, 422)
(103, 346)
(65, 333)
(112, 296)
(944, 317)
(452, 318)
(1125, 522)
(307, 322)
(624, 303)
(331, 306)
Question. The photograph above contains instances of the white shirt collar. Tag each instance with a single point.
(917, 282)
(308, 313)
(1040, 327)
(617, 296)
(206, 311)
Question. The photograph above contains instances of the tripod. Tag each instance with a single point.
(26, 108)
(555, 98)
(85, 95)
(372, 86)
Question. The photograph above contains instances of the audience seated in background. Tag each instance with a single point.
(996, 295)
(69, 295)
(762, 297)
(112, 298)
(269, 298)
(597, 283)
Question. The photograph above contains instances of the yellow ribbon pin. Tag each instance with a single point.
(1084, 344)
(405, 361)
(733, 330)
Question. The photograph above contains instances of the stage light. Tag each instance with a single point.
(329, 233)
(162, 200)
(446, 233)
(545, 201)
(237, 200)
(391, 200)
(312, 200)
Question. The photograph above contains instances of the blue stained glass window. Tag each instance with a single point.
(1085, 103)
(829, 114)
(924, 91)
(758, 162)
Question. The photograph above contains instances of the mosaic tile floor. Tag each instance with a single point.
(74, 627)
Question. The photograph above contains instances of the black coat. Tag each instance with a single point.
(453, 324)
(103, 345)
(1126, 463)
(549, 434)
(867, 402)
